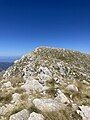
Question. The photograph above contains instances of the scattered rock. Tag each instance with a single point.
(63, 70)
(28, 71)
(61, 98)
(15, 98)
(85, 82)
(74, 106)
(47, 105)
(7, 84)
(46, 74)
(22, 115)
(32, 85)
(44, 70)
(8, 108)
(72, 88)
(36, 116)
(2, 109)
(44, 78)
(84, 111)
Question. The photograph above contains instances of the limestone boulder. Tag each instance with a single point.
(15, 98)
(8, 108)
(22, 115)
(61, 97)
(72, 88)
(32, 85)
(44, 70)
(36, 116)
(84, 111)
(47, 105)
(7, 84)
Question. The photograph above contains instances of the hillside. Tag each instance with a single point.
(47, 84)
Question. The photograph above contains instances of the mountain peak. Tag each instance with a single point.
(48, 80)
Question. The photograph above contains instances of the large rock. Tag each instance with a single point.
(43, 78)
(36, 116)
(7, 84)
(32, 85)
(8, 108)
(22, 115)
(2, 109)
(16, 98)
(72, 88)
(47, 105)
(84, 111)
(29, 70)
(44, 70)
(61, 97)
(63, 70)
(86, 82)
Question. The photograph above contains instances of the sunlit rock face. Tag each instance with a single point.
(72, 88)
(49, 105)
(32, 85)
(22, 115)
(46, 82)
(84, 111)
(61, 97)
(36, 116)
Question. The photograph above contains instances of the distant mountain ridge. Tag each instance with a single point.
(5, 65)
(8, 58)
(6, 62)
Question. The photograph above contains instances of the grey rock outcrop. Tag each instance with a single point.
(22, 115)
(32, 85)
(15, 98)
(8, 108)
(36, 116)
(61, 98)
(47, 105)
(72, 88)
(7, 84)
(84, 111)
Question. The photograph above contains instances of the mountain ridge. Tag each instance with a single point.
(50, 83)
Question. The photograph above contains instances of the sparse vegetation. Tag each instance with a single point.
(16, 81)
(67, 114)
(59, 68)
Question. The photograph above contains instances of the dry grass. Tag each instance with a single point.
(24, 96)
(16, 81)
(5, 96)
(67, 114)
(19, 90)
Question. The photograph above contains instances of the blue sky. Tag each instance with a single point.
(27, 24)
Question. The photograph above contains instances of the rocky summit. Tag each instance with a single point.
(47, 84)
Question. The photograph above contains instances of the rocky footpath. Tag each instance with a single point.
(47, 84)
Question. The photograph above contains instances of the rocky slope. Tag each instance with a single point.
(47, 84)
